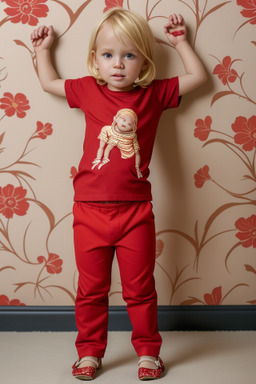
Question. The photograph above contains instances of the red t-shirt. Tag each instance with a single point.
(122, 137)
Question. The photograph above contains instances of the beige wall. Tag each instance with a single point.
(206, 227)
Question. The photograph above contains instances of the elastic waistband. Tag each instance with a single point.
(111, 204)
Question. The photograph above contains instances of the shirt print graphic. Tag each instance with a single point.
(122, 135)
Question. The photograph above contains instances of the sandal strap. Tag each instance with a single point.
(92, 359)
(150, 359)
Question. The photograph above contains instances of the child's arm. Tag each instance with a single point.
(42, 39)
(195, 73)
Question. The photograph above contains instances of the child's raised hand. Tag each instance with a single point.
(175, 29)
(42, 38)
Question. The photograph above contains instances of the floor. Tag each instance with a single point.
(190, 357)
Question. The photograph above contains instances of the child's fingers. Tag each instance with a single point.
(174, 21)
(42, 31)
(34, 34)
(39, 32)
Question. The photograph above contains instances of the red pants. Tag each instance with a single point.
(99, 231)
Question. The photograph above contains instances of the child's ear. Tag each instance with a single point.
(94, 59)
(144, 65)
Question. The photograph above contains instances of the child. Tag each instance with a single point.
(112, 209)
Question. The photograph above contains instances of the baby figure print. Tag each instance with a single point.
(121, 134)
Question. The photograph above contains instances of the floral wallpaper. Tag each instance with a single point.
(203, 168)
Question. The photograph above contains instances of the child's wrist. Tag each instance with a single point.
(41, 51)
(181, 43)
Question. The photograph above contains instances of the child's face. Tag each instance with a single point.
(119, 63)
(124, 123)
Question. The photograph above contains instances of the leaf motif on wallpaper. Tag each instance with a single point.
(201, 13)
(3, 73)
(73, 16)
(219, 95)
(249, 268)
(7, 267)
(47, 212)
(177, 281)
(228, 75)
(249, 12)
(214, 298)
(25, 11)
(201, 243)
(1, 140)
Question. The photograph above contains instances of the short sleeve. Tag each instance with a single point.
(168, 92)
(76, 90)
(71, 93)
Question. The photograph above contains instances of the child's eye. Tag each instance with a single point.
(107, 55)
(129, 56)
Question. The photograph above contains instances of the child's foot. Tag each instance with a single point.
(150, 368)
(85, 368)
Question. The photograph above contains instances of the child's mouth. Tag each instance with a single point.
(118, 76)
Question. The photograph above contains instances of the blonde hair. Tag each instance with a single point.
(135, 27)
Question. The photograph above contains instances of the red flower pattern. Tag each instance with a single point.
(249, 9)
(201, 176)
(14, 104)
(4, 300)
(73, 172)
(203, 128)
(53, 264)
(247, 231)
(12, 201)
(224, 71)
(213, 298)
(26, 11)
(246, 132)
(112, 4)
(43, 130)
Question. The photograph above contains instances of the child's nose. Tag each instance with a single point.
(118, 62)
